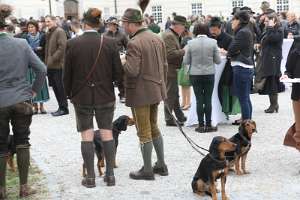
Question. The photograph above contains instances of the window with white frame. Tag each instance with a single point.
(282, 5)
(237, 3)
(196, 8)
(157, 13)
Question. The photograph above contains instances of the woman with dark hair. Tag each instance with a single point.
(270, 61)
(240, 53)
(201, 54)
(37, 41)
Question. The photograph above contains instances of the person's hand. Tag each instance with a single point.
(271, 22)
(223, 52)
(290, 36)
(283, 77)
(123, 58)
(33, 94)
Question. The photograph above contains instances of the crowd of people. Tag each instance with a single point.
(85, 60)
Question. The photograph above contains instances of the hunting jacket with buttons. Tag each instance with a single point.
(145, 69)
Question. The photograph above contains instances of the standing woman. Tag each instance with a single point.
(293, 71)
(37, 41)
(271, 55)
(201, 54)
(183, 79)
(240, 52)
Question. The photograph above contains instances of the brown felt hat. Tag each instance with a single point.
(132, 15)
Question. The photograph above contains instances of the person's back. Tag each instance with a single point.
(16, 96)
(15, 58)
(203, 54)
(81, 55)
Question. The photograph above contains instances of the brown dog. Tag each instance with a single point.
(212, 167)
(243, 141)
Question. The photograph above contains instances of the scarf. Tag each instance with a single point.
(33, 40)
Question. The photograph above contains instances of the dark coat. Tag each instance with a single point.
(56, 41)
(293, 68)
(120, 37)
(271, 52)
(174, 52)
(145, 70)
(81, 53)
(241, 47)
(293, 28)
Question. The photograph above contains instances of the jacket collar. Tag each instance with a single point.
(138, 32)
(52, 29)
(174, 32)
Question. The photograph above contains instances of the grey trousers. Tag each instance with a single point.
(172, 100)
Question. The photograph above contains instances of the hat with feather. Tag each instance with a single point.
(133, 15)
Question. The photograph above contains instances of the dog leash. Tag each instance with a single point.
(193, 144)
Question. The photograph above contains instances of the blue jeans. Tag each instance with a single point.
(242, 79)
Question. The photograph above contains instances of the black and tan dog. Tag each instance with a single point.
(212, 167)
(119, 125)
(243, 141)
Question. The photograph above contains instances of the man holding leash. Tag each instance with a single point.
(145, 74)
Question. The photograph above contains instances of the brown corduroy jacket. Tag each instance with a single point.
(81, 53)
(56, 41)
(145, 69)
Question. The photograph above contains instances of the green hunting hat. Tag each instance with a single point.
(132, 15)
(180, 20)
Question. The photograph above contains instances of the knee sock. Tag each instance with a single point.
(146, 150)
(109, 153)
(23, 161)
(159, 149)
(88, 154)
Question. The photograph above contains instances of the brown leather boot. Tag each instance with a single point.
(88, 182)
(26, 191)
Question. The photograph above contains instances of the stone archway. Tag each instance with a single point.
(71, 8)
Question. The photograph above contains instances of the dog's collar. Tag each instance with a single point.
(222, 162)
(245, 138)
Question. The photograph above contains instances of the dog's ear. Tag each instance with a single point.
(120, 124)
(214, 146)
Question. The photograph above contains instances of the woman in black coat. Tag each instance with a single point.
(271, 54)
(293, 71)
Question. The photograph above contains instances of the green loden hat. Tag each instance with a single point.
(132, 15)
(180, 20)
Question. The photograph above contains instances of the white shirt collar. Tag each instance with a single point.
(201, 36)
(89, 31)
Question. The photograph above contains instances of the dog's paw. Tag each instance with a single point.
(246, 172)
(239, 173)
(225, 198)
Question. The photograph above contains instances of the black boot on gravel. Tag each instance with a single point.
(88, 182)
(110, 180)
(141, 175)
(163, 171)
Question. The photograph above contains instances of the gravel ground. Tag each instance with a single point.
(274, 168)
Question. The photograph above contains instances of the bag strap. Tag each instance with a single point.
(95, 63)
(89, 75)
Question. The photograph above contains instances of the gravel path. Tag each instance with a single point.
(274, 168)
